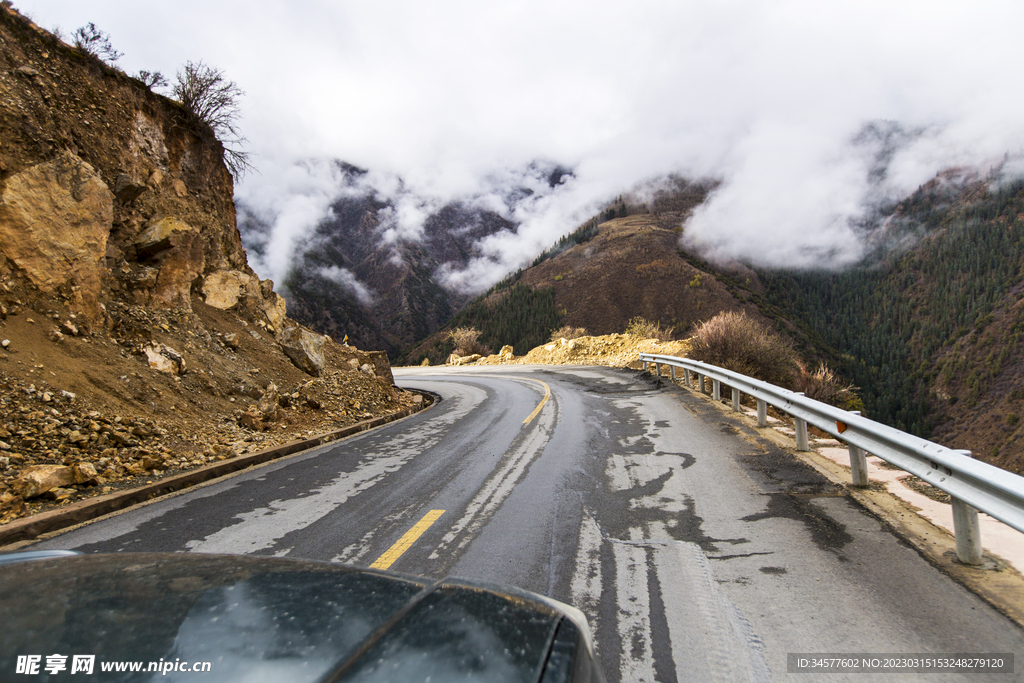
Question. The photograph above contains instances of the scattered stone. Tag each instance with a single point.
(231, 340)
(268, 404)
(127, 190)
(164, 359)
(84, 473)
(11, 506)
(55, 336)
(69, 328)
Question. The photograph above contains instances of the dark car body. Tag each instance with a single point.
(244, 618)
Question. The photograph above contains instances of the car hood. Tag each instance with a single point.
(269, 619)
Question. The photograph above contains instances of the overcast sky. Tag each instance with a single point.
(453, 97)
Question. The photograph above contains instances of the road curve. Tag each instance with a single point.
(698, 550)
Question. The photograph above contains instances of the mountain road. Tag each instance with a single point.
(697, 548)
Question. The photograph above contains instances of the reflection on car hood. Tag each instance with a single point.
(268, 619)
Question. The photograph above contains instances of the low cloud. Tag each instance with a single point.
(347, 281)
(458, 100)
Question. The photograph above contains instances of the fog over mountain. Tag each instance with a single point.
(811, 114)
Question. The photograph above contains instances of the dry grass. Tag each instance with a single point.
(823, 385)
(738, 343)
(569, 332)
(646, 329)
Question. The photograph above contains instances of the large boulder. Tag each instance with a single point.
(165, 359)
(55, 218)
(38, 479)
(273, 304)
(304, 348)
(223, 288)
(381, 366)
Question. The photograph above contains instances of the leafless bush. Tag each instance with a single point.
(646, 329)
(211, 99)
(95, 42)
(741, 344)
(569, 332)
(467, 342)
(152, 79)
(823, 385)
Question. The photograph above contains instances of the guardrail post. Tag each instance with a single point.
(858, 466)
(657, 369)
(700, 383)
(689, 381)
(735, 399)
(644, 364)
(716, 390)
(966, 529)
(672, 369)
(800, 426)
(858, 463)
(762, 413)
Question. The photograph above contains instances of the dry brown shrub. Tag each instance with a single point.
(733, 341)
(823, 385)
(569, 332)
(646, 329)
(467, 342)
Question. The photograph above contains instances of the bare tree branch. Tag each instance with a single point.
(212, 99)
(95, 42)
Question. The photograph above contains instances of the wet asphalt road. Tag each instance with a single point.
(697, 549)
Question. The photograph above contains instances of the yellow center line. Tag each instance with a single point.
(403, 544)
(547, 395)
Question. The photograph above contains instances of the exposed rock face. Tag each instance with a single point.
(177, 249)
(55, 218)
(104, 193)
(304, 348)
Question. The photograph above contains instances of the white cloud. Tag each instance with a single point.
(348, 281)
(768, 96)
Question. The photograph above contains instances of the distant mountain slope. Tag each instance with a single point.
(608, 271)
(369, 271)
(931, 326)
(347, 279)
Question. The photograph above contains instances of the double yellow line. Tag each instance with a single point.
(418, 529)
(406, 541)
(547, 395)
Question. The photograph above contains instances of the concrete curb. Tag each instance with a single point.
(996, 582)
(28, 528)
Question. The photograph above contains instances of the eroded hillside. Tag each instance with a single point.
(134, 338)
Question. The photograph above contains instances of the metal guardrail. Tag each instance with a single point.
(972, 485)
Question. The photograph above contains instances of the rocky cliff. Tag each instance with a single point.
(108, 193)
(134, 337)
